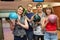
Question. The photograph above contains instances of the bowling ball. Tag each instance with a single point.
(52, 18)
(13, 15)
(37, 18)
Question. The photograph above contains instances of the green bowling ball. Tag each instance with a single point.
(37, 18)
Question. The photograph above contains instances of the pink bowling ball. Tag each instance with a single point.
(52, 18)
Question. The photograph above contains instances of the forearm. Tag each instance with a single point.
(25, 25)
(22, 25)
(43, 23)
(11, 26)
(43, 26)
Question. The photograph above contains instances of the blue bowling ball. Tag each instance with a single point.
(13, 15)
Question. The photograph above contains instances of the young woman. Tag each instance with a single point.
(19, 25)
(50, 29)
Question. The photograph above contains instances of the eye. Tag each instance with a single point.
(19, 9)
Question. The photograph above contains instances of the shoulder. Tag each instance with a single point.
(43, 14)
(32, 13)
(25, 17)
(45, 18)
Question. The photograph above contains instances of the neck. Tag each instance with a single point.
(28, 11)
(20, 14)
(40, 12)
(48, 14)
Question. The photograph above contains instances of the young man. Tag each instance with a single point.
(38, 29)
(29, 15)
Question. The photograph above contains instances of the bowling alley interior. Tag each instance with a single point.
(11, 6)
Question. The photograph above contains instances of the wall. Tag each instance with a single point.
(14, 4)
(57, 12)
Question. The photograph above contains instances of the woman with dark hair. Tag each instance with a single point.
(19, 25)
(37, 18)
(50, 28)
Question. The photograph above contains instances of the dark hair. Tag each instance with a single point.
(38, 4)
(52, 12)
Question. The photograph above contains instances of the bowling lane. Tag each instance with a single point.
(6, 31)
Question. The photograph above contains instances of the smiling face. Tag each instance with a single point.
(20, 10)
(29, 7)
(48, 11)
(39, 8)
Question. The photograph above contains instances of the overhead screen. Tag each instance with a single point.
(38, 0)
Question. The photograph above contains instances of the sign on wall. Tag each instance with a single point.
(38, 0)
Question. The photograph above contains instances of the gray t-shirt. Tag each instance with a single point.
(37, 30)
(18, 30)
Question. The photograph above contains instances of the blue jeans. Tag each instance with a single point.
(50, 36)
(30, 35)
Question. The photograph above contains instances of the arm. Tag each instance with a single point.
(25, 25)
(12, 23)
(44, 23)
(30, 20)
(32, 17)
(27, 18)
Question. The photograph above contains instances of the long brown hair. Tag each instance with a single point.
(52, 11)
(19, 7)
